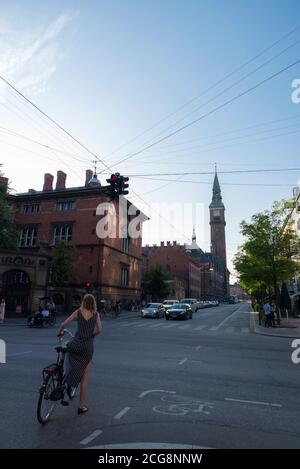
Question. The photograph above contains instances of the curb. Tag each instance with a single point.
(254, 328)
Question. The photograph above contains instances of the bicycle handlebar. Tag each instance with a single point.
(67, 331)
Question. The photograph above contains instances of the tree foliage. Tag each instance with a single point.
(62, 263)
(267, 257)
(155, 282)
(8, 230)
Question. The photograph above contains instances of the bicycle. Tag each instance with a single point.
(54, 386)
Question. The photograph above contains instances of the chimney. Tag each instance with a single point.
(61, 180)
(88, 176)
(174, 243)
(168, 243)
(4, 183)
(48, 182)
(162, 243)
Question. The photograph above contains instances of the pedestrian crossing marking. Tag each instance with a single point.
(178, 325)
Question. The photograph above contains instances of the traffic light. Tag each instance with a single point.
(88, 286)
(117, 185)
(122, 185)
(112, 190)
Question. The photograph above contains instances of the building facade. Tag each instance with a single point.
(182, 270)
(203, 274)
(293, 222)
(111, 266)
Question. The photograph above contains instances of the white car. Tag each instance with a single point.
(167, 304)
(194, 304)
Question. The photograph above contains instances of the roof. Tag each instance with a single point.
(216, 197)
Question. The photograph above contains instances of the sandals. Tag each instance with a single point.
(82, 410)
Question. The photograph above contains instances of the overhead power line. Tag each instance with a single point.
(214, 85)
(212, 111)
(48, 147)
(240, 171)
(53, 121)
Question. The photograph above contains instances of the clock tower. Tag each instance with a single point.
(217, 227)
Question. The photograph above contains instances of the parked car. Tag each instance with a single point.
(179, 311)
(194, 304)
(153, 310)
(232, 300)
(169, 303)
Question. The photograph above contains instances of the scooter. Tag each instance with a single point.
(40, 320)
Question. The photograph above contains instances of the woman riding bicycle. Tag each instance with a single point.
(81, 348)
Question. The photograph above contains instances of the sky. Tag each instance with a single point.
(121, 75)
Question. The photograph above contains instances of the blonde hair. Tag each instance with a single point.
(89, 303)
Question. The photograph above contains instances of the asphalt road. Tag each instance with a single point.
(209, 382)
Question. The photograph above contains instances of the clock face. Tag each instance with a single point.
(216, 212)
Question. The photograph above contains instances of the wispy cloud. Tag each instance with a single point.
(31, 58)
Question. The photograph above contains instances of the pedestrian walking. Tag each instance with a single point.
(2, 310)
(81, 348)
(267, 310)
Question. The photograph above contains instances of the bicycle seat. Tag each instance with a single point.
(61, 348)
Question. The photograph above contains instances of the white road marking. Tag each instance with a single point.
(91, 437)
(214, 328)
(198, 347)
(170, 325)
(148, 445)
(19, 353)
(122, 413)
(229, 329)
(141, 325)
(143, 394)
(184, 327)
(199, 328)
(228, 318)
(253, 402)
(182, 361)
(155, 325)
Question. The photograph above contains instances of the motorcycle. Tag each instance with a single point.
(41, 319)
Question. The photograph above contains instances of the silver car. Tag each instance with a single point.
(153, 310)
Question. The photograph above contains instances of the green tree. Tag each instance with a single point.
(155, 282)
(8, 230)
(62, 263)
(267, 257)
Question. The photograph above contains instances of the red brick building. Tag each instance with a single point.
(182, 270)
(112, 265)
(204, 274)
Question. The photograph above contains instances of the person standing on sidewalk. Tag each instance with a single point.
(267, 310)
(2, 310)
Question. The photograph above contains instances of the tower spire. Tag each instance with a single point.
(194, 238)
(216, 195)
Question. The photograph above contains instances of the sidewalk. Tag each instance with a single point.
(289, 328)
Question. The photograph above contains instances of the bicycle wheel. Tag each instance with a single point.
(46, 405)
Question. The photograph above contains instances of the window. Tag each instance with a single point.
(64, 206)
(124, 276)
(125, 244)
(28, 236)
(31, 209)
(62, 233)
